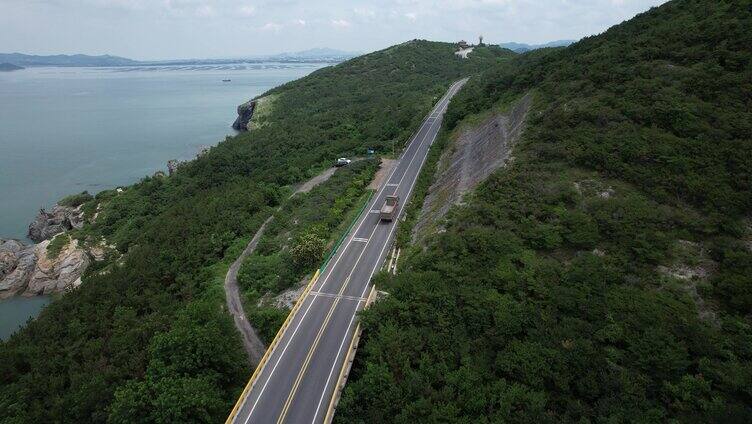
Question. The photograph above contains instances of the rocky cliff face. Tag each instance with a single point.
(61, 218)
(245, 113)
(473, 156)
(29, 270)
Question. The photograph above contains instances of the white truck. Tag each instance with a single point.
(389, 209)
(342, 162)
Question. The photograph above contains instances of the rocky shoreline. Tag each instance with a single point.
(48, 224)
(31, 269)
(245, 113)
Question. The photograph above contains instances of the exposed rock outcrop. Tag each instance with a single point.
(61, 218)
(29, 270)
(245, 113)
(474, 155)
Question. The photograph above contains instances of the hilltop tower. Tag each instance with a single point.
(480, 40)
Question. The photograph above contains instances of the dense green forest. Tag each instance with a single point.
(606, 274)
(146, 337)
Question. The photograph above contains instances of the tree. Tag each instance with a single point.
(308, 250)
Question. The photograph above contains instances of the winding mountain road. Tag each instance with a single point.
(297, 381)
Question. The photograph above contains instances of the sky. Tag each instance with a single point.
(178, 29)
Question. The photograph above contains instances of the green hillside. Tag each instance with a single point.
(604, 276)
(146, 337)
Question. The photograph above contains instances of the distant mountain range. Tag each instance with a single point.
(7, 67)
(312, 55)
(20, 59)
(522, 47)
(320, 53)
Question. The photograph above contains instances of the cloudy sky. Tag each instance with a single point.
(167, 29)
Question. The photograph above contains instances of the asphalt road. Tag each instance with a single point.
(297, 382)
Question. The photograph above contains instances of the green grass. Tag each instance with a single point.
(74, 200)
(57, 244)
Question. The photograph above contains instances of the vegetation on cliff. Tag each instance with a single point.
(146, 338)
(606, 274)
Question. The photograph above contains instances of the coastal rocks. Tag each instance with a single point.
(245, 113)
(61, 218)
(10, 254)
(19, 266)
(54, 275)
(29, 270)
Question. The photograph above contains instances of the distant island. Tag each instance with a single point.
(319, 53)
(312, 55)
(8, 67)
(20, 59)
(522, 47)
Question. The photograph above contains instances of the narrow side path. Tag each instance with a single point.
(252, 343)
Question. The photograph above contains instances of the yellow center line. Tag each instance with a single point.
(329, 314)
(312, 350)
(307, 361)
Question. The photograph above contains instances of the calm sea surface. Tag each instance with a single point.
(66, 130)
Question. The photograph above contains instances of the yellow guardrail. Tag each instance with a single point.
(272, 345)
(346, 364)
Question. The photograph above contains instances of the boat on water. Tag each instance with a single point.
(226, 80)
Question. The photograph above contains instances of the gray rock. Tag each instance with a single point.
(245, 113)
(17, 262)
(473, 155)
(27, 270)
(61, 218)
(76, 218)
(9, 250)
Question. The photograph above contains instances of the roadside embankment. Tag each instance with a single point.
(471, 157)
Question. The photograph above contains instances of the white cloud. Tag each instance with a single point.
(341, 23)
(271, 26)
(205, 11)
(146, 29)
(247, 10)
(364, 12)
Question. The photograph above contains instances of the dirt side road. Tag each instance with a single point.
(252, 343)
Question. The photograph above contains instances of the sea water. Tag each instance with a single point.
(66, 130)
